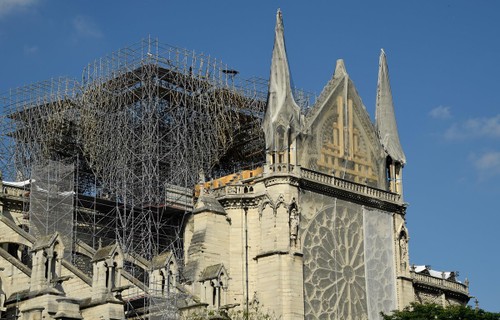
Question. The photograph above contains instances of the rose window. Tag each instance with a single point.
(334, 266)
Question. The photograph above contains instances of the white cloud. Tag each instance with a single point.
(86, 27)
(474, 128)
(487, 163)
(29, 50)
(9, 6)
(440, 112)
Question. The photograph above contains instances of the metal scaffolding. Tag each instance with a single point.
(137, 128)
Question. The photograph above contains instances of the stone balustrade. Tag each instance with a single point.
(348, 185)
(231, 190)
(440, 282)
(14, 191)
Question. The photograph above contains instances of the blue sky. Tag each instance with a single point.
(444, 65)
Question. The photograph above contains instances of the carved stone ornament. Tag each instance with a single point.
(264, 202)
(294, 217)
(403, 250)
(274, 180)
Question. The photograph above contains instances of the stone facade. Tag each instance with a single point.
(318, 231)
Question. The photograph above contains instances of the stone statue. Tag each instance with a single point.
(201, 176)
(403, 248)
(294, 223)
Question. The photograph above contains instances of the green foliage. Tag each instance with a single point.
(255, 313)
(418, 311)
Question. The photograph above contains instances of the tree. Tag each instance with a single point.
(418, 311)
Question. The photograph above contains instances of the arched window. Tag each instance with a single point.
(281, 146)
(220, 289)
(280, 139)
(107, 275)
(46, 266)
(113, 276)
(162, 282)
(214, 292)
(53, 267)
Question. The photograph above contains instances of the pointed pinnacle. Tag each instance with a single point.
(384, 114)
(340, 70)
(279, 19)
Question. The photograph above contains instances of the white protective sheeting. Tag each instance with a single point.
(52, 203)
(18, 184)
(379, 262)
(334, 267)
(384, 114)
(281, 107)
(434, 273)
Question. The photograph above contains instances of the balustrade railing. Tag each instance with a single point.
(443, 283)
(313, 176)
(14, 191)
(231, 190)
(348, 185)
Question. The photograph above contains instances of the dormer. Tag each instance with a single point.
(107, 267)
(164, 274)
(214, 285)
(47, 254)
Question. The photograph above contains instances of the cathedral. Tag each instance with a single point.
(317, 231)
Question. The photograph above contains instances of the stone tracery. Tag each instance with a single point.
(334, 271)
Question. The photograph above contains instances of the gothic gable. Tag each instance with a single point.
(340, 139)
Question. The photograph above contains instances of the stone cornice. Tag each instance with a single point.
(286, 178)
(270, 253)
(238, 201)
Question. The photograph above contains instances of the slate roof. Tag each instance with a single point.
(207, 202)
(104, 252)
(160, 260)
(211, 272)
(44, 241)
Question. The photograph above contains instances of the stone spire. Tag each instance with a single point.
(281, 107)
(384, 115)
